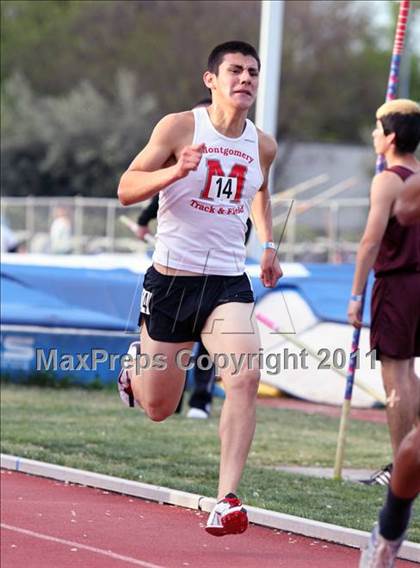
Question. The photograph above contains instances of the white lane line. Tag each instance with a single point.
(108, 553)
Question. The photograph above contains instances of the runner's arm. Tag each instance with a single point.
(261, 205)
(382, 197)
(146, 175)
(262, 217)
(149, 212)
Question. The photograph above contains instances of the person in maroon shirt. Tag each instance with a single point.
(393, 250)
(388, 534)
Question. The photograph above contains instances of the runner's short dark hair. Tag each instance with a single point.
(218, 53)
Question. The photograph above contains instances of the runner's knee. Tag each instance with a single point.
(157, 411)
(409, 451)
(156, 408)
(245, 383)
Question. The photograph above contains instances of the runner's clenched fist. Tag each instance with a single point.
(189, 159)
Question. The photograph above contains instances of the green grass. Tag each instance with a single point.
(92, 430)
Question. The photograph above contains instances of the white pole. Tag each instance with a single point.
(271, 30)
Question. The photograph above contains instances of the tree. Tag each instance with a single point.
(334, 73)
(78, 143)
(67, 127)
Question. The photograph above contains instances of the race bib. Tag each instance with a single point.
(146, 296)
(223, 188)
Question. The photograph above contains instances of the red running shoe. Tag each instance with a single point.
(227, 517)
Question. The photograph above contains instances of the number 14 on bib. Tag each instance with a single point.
(221, 187)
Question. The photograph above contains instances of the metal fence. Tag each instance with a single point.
(326, 231)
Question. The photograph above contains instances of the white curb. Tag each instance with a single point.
(271, 519)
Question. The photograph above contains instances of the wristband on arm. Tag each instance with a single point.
(269, 245)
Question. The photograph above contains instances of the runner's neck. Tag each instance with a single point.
(228, 122)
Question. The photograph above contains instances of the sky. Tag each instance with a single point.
(382, 16)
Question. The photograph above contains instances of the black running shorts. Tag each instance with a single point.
(175, 308)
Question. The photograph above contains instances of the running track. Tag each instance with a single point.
(50, 524)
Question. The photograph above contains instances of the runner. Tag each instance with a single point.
(197, 287)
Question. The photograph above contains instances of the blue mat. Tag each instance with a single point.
(109, 299)
(64, 303)
(327, 291)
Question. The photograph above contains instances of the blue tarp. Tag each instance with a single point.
(66, 302)
(327, 290)
(70, 297)
(109, 299)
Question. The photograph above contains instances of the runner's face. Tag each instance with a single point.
(237, 80)
(381, 141)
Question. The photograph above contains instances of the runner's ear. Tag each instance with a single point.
(208, 79)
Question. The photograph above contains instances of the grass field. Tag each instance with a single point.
(92, 430)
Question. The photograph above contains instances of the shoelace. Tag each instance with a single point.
(226, 504)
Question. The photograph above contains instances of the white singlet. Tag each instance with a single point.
(202, 217)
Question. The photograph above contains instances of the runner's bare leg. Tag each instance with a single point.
(402, 396)
(158, 391)
(232, 330)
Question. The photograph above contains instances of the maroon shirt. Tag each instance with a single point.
(400, 246)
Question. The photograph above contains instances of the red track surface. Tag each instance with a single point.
(49, 524)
